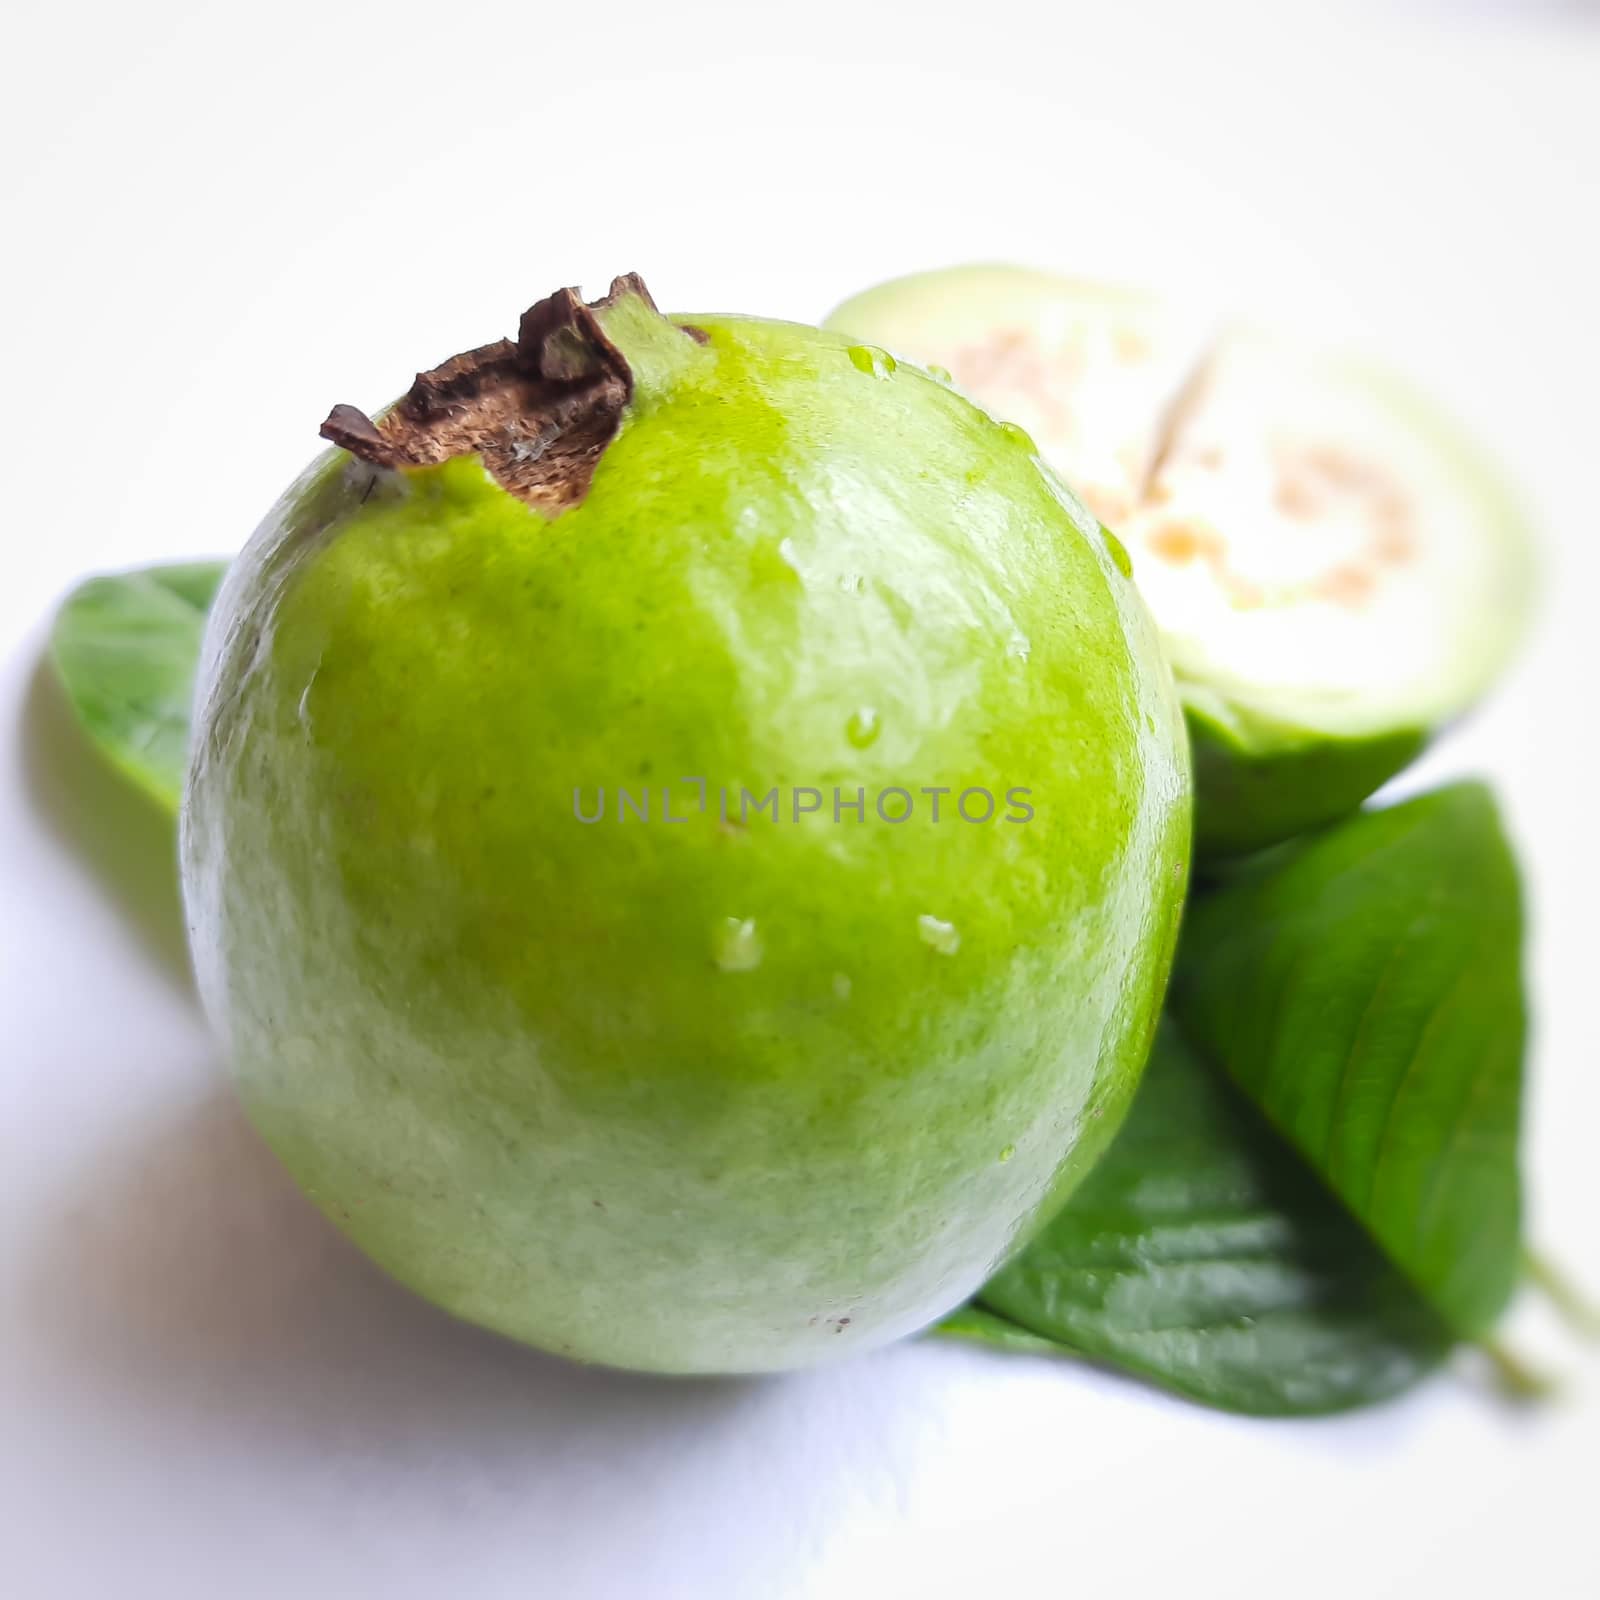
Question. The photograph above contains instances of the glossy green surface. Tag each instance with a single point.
(1203, 1254)
(1363, 987)
(690, 1096)
(1252, 795)
(125, 648)
(977, 1325)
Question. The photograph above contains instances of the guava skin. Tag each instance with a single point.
(1248, 800)
(537, 1068)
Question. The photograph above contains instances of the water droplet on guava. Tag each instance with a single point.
(852, 582)
(870, 359)
(1118, 550)
(1019, 436)
(862, 728)
(1018, 647)
(774, 563)
(938, 934)
(1009, 1151)
(943, 374)
(737, 945)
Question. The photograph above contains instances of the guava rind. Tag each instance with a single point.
(496, 1045)
(1246, 800)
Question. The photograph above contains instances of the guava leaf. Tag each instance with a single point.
(126, 648)
(979, 1325)
(1363, 987)
(1203, 1255)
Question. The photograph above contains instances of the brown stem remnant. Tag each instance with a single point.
(539, 409)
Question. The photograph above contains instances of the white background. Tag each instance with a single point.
(223, 218)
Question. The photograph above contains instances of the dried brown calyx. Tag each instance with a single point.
(539, 409)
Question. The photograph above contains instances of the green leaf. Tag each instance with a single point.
(1363, 987)
(978, 1325)
(126, 648)
(1201, 1254)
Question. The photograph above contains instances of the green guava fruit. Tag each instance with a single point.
(684, 838)
(1336, 573)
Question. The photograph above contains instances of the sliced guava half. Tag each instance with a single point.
(1336, 570)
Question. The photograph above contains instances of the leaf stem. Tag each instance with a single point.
(1516, 1380)
(1580, 1316)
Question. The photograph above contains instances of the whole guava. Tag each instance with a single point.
(684, 839)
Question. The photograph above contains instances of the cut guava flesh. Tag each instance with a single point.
(1335, 570)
